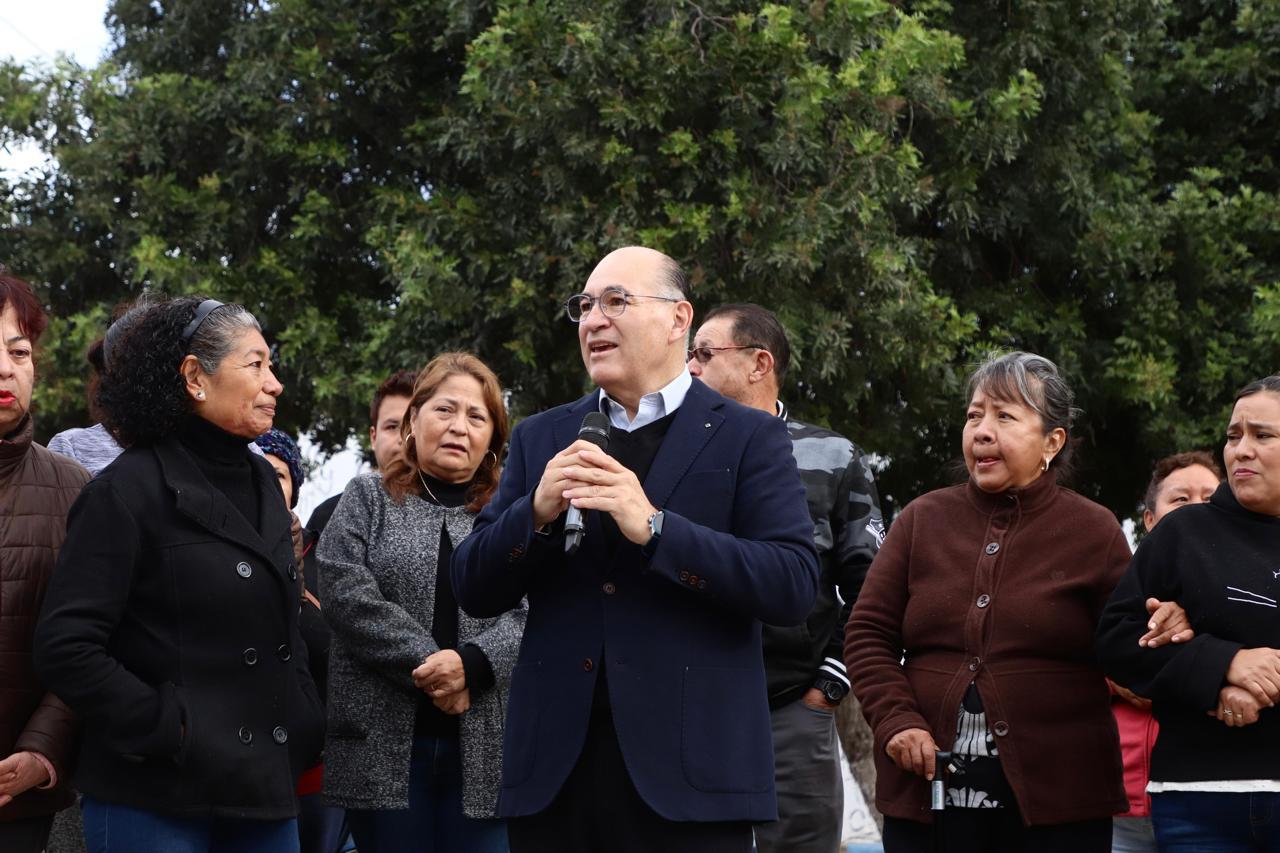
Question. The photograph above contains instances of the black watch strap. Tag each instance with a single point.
(833, 689)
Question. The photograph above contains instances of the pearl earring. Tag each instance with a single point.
(200, 394)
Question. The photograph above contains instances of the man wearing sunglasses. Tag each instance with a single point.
(638, 718)
(742, 351)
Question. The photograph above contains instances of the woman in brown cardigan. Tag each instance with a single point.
(974, 634)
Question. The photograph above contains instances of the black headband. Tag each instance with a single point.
(202, 313)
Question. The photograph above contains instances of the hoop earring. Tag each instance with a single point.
(494, 463)
(1045, 466)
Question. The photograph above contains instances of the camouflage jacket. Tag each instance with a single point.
(847, 530)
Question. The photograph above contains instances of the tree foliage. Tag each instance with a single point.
(908, 185)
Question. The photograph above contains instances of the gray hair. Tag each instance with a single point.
(673, 279)
(213, 339)
(1033, 381)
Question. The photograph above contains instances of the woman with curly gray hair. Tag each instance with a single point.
(974, 634)
(171, 621)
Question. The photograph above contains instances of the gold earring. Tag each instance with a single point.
(1046, 466)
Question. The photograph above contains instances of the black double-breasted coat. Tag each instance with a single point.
(171, 627)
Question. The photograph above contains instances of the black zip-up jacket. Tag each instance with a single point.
(1221, 562)
(847, 530)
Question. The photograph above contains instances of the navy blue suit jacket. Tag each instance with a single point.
(679, 632)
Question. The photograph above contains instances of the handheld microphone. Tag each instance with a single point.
(595, 429)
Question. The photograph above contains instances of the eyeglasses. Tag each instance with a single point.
(612, 301)
(705, 354)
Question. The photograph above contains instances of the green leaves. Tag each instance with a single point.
(907, 184)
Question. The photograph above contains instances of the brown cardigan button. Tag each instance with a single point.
(974, 664)
(984, 600)
(1001, 728)
(992, 547)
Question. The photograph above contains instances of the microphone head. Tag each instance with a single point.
(595, 429)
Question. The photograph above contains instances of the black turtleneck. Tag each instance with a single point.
(444, 618)
(223, 458)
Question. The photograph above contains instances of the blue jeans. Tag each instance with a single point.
(434, 820)
(113, 828)
(1203, 822)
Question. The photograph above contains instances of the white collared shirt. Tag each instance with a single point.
(652, 406)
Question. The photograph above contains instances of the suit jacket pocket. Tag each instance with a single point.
(724, 730)
(520, 739)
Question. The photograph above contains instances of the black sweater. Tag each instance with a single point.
(1221, 562)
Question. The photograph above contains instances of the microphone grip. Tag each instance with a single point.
(573, 529)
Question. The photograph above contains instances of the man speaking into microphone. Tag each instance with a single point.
(638, 717)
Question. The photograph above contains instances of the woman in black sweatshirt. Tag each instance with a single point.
(1215, 773)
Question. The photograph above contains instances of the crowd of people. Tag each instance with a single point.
(623, 625)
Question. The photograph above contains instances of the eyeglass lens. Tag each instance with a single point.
(612, 303)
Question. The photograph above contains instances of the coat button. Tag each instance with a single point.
(280, 735)
(588, 665)
(609, 588)
(684, 576)
(293, 572)
(1001, 728)
(246, 736)
(244, 570)
(284, 652)
(984, 600)
(250, 657)
(992, 547)
(974, 664)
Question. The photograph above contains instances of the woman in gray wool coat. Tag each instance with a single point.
(418, 689)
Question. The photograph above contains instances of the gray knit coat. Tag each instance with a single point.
(378, 582)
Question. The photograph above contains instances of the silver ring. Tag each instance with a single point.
(1230, 713)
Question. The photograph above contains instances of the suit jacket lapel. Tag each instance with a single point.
(570, 422)
(696, 421)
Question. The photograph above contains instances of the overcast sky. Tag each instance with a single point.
(41, 29)
(36, 32)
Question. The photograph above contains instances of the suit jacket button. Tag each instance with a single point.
(250, 657)
(1001, 728)
(693, 580)
(246, 736)
(284, 652)
(684, 576)
(280, 735)
(588, 665)
(609, 588)
(244, 570)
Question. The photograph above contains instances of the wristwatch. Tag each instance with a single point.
(833, 689)
(655, 533)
